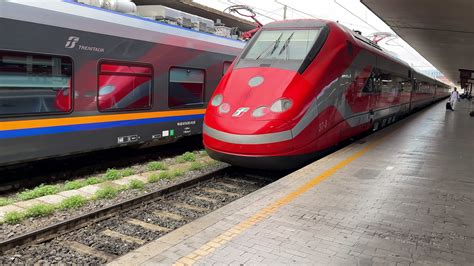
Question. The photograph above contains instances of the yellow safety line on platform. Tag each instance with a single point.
(238, 229)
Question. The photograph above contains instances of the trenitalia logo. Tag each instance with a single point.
(240, 112)
(71, 42)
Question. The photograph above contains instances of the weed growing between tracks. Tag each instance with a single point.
(179, 166)
(176, 173)
(154, 166)
(5, 201)
(110, 175)
(153, 178)
(93, 180)
(114, 174)
(13, 217)
(107, 192)
(39, 210)
(196, 166)
(186, 157)
(41, 190)
(75, 184)
(73, 202)
(136, 184)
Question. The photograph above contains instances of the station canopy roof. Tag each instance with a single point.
(441, 31)
(191, 7)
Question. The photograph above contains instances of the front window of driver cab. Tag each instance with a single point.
(288, 44)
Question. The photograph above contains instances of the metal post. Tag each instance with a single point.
(285, 7)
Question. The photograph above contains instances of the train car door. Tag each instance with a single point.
(358, 99)
(376, 90)
(414, 85)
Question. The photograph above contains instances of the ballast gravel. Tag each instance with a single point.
(170, 212)
(7, 230)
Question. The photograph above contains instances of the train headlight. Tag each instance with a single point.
(260, 111)
(281, 105)
(224, 108)
(217, 100)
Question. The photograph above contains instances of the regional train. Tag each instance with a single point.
(300, 87)
(76, 78)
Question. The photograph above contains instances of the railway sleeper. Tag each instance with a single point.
(241, 181)
(129, 239)
(86, 250)
(227, 185)
(207, 199)
(259, 179)
(148, 226)
(189, 207)
(168, 215)
(221, 192)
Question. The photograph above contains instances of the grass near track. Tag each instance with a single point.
(161, 171)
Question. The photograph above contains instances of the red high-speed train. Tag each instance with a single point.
(300, 87)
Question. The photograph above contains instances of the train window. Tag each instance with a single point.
(225, 67)
(368, 86)
(282, 44)
(124, 86)
(406, 85)
(186, 87)
(366, 80)
(387, 83)
(34, 84)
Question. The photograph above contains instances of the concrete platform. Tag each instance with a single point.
(404, 195)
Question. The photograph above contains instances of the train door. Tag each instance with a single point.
(375, 95)
(358, 99)
(345, 100)
(414, 85)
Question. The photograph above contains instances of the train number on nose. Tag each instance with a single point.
(240, 112)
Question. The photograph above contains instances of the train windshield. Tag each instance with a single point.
(280, 48)
(282, 44)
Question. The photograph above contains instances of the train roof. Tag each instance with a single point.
(297, 23)
(197, 9)
(376, 48)
(73, 15)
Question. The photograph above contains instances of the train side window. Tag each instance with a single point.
(405, 85)
(369, 84)
(386, 81)
(186, 87)
(226, 66)
(35, 84)
(124, 86)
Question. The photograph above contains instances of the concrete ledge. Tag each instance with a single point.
(9, 208)
(52, 199)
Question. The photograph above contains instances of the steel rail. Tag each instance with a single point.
(52, 231)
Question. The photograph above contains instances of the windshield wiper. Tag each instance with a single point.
(277, 43)
(275, 46)
(287, 42)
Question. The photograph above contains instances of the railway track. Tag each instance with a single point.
(104, 234)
